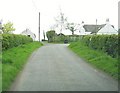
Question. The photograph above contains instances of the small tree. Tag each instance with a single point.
(71, 27)
(61, 21)
(8, 28)
(50, 35)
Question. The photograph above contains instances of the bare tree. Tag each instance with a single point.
(72, 27)
(61, 21)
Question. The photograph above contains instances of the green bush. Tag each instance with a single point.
(60, 39)
(106, 43)
(69, 38)
(12, 40)
(50, 35)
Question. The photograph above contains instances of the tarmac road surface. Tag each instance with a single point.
(54, 67)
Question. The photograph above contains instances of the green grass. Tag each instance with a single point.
(13, 61)
(0, 71)
(97, 58)
(0, 76)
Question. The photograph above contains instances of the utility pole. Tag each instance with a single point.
(39, 27)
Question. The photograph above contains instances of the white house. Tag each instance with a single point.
(97, 29)
(90, 29)
(107, 29)
(67, 32)
(28, 33)
(83, 29)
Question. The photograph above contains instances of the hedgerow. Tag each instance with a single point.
(13, 40)
(105, 43)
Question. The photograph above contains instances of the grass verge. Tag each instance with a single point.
(0, 77)
(13, 60)
(0, 69)
(97, 58)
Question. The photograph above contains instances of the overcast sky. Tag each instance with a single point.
(24, 13)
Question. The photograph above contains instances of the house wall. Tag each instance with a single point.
(107, 29)
(29, 33)
(82, 31)
(66, 32)
(77, 32)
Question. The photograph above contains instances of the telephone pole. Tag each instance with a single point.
(39, 27)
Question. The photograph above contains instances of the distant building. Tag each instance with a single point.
(107, 29)
(92, 29)
(67, 32)
(97, 29)
(83, 29)
(28, 33)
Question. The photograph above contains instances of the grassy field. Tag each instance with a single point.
(13, 61)
(96, 58)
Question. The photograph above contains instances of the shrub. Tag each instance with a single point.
(106, 43)
(12, 40)
(50, 35)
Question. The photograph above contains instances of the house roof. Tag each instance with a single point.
(28, 31)
(93, 28)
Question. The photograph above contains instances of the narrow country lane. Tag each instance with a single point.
(54, 67)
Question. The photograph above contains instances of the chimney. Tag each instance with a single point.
(82, 24)
(96, 21)
(107, 20)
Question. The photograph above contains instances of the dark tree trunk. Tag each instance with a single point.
(72, 32)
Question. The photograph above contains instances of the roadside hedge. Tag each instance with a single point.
(69, 38)
(13, 40)
(106, 43)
